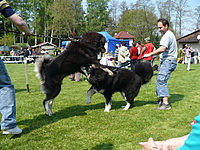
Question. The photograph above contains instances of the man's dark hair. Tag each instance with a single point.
(164, 21)
(123, 43)
(139, 42)
(134, 44)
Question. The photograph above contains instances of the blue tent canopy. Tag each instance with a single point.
(64, 43)
(112, 42)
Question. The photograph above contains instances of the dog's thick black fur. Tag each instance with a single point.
(108, 80)
(78, 54)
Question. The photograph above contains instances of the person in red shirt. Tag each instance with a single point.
(139, 47)
(133, 55)
(149, 48)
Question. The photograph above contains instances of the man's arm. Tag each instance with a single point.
(161, 49)
(10, 14)
(20, 24)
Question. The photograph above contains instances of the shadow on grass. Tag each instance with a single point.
(43, 120)
(172, 99)
(20, 90)
(192, 69)
(104, 146)
(175, 98)
(79, 110)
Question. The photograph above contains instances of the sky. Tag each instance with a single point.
(189, 25)
(192, 4)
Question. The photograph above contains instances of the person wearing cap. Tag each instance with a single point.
(7, 96)
(149, 47)
(168, 56)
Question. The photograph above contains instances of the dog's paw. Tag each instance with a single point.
(88, 100)
(127, 106)
(49, 113)
(106, 110)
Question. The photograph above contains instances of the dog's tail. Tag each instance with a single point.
(144, 70)
(40, 64)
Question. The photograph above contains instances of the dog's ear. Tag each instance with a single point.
(102, 43)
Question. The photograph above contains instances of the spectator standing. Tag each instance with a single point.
(139, 47)
(133, 55)
(187, 51)
(196, 56)
(28, 53)
(13, 54)
(149, 48)
(34, 54)
(7, 96)
(168, 56)
(116, 52)
(123, 55)
(46, 55)
(76, 76)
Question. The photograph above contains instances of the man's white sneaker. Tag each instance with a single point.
(15, 130)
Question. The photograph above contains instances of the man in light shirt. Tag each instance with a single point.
(168, 57)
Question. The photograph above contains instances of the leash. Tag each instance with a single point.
(17, 32)
(129, 62)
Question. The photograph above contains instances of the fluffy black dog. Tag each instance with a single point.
(78, 54)
(108, 80)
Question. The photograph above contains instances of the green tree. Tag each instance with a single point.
(166, 9)
(113, 19)
(139, 21)
(97, 15)
(197, 17)
(67, 16)
(7, 39)
(183, 14)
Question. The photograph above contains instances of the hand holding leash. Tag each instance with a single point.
(26, 34)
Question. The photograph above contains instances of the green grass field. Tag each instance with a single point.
(80, 126)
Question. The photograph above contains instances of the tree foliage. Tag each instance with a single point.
(97, 15)
(140, 21)
(57, 18)
(7, 39)
(182, 12)
(66, 17)
(197, 17)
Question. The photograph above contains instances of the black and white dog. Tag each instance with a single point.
(79, 53)
(108, 80)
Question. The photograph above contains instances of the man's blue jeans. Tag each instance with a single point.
(7, 99)
(165, 69)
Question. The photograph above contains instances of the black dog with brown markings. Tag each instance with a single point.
(108, 80)
(78, 54)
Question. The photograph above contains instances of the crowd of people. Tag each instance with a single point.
(123, 56)
(28, 55)
(189, 55)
